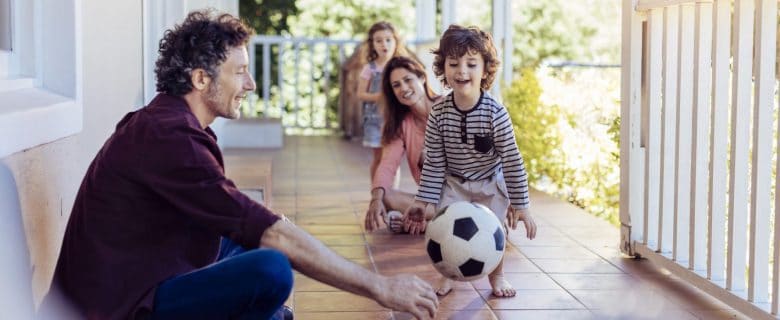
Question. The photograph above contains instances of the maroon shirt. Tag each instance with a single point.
(153, 204)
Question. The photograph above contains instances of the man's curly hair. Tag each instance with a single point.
(457, 41)
(201, 41)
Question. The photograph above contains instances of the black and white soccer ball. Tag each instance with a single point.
(465, 241)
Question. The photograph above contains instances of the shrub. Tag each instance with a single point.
(570, 152)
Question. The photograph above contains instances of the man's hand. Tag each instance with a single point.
(375, 213)
(512, 216)
(408, 293)
(414, 218)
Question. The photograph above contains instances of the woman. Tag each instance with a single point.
(409, 99)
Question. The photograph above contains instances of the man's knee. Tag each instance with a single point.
(271, 269)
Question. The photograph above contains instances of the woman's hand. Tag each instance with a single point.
(376, 209)
(375, 213)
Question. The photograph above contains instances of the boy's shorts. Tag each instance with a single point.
(490, 192)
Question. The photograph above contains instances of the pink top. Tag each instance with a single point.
(367, 71)
(411, 141)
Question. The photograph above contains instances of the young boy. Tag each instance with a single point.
(470, 144)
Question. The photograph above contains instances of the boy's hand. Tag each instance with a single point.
(414, 218)
(512, 216)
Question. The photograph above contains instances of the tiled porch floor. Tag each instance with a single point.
(572, 270)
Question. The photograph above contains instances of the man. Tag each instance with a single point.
(144, 233)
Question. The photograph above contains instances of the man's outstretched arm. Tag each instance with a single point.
(309, 256)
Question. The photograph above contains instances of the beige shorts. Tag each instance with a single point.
(490, 192)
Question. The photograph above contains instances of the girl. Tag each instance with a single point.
(383, 44)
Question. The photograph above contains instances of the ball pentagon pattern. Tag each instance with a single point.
(465, 241)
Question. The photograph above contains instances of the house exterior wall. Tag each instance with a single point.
(47, 177)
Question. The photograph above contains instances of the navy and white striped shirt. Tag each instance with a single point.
(474, 145)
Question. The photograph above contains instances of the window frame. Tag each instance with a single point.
(40, 77)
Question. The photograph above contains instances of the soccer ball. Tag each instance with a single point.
(465, 241)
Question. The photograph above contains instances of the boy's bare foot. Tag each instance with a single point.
(501, 287)
(443, 287)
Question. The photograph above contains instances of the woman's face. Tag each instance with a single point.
(407, 86)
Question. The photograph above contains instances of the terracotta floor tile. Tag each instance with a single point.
(406, 264)
(333, 301)
(545, 314)
(522, 281)
(624, 300)
(595, 281)
(433, 277)
(575, 266)
(719, 314)
(394, 240)
(340, 239)
(558, 252)
(385, 315)
(533, 299)
(645, 314)
(303, 283)
(319, 208)
(352, 252)
(336, 229)
(686, 296)
(520, 266)
(454, 315)
(462, 300)
(521, 240)
(326, 220)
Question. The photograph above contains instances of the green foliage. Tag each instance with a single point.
(351, 19)
(535, 127)
(544, 31)
(268, 16)
(570, 149)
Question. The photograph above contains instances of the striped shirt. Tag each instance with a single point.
(474, 145)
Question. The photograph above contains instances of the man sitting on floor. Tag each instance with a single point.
(143, 239)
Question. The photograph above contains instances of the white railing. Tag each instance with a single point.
(305, 68)
(696, 169)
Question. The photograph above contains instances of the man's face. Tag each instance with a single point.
(464, 74)
(230, 87)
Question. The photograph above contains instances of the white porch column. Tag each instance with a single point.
(448, 16)
(502, 36)
(426, 38)
(425, 27)
(631, 182)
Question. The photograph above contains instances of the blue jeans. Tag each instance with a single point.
(242, 284)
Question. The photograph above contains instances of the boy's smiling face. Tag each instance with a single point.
(465, 74)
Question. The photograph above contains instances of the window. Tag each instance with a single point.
(40, 72)
(5, 25)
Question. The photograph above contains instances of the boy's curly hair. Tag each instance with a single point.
(457, 41)
(201, 41)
